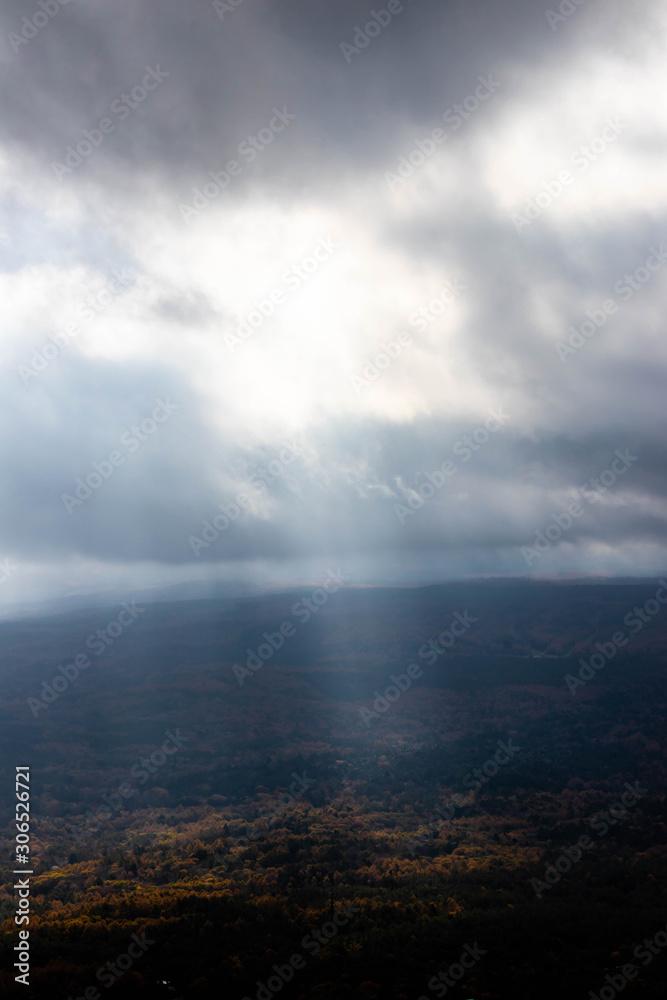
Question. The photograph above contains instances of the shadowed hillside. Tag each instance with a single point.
(222, 809)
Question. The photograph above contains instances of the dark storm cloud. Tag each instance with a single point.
(74, 415)
(225, 77)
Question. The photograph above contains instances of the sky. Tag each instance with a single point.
(292, 286)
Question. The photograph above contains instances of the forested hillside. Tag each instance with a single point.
(237, 820)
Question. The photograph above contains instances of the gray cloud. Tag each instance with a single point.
(360, 456)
